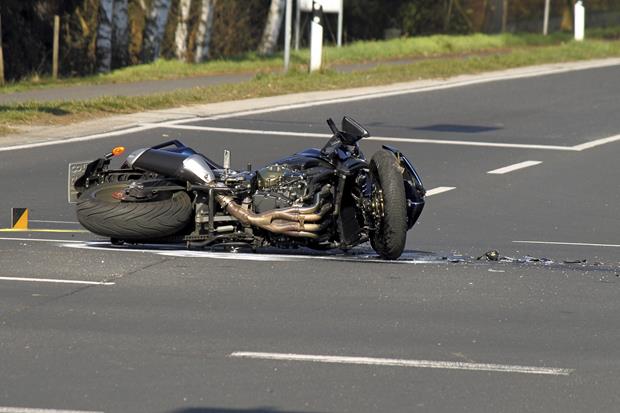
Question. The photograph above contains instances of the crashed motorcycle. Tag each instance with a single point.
(329, 198)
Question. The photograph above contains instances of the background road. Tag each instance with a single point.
(161, 332)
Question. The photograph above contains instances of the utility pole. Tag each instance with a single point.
(1, 56)
(56, 45)
(546, 21)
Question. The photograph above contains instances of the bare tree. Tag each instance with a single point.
(104, 36)
(154, 29)
(120, 34)
(205, 27)
(272, 28)
(180, 35)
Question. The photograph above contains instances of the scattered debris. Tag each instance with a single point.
(575, 261)
(492, 255)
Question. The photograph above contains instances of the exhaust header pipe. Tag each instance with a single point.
(192, 168)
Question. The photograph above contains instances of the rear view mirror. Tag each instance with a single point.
(354, 129)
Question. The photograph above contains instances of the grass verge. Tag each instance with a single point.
(402, 48)
(14, 115)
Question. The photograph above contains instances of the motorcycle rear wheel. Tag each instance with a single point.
(391, 235)
(101, 213)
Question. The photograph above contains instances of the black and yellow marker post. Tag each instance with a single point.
(19, 218)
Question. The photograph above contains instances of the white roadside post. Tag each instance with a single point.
(546, 21)
(316, 37)
(287, 34)
(580, 21)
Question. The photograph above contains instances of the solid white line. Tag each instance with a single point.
(53, 222)
(38, 240)
(515, 167)
(452, 365)
(439, 190)
(31, 410)
(595, 143)
(171, 125)
(580, 244)
(55, 281)
(79, 139)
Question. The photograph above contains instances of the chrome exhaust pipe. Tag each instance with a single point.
(295, 222)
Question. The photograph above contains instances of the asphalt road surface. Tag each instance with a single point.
(85, 326)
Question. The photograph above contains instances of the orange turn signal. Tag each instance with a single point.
(118, 150)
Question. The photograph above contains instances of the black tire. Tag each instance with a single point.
(99, 212)
(391, 235)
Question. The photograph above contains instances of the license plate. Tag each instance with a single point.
(76, 171)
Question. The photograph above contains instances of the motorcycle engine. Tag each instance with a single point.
(279, 186)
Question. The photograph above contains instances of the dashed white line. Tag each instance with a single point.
(450, 365)
(31, 410)
(515, 167)
(439, 190)
(55, 281)
(597, 142)
(579, 244)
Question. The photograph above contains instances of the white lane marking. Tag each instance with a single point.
(579, 244)
(39, 240)
(451, 365)
(460, 81)
(60, 231)
(406, 258)
(515, 167)
(127, 131)
(595, 143)
(170, 125)
(439, 190)
(55, 281)
(53, 222)
(31, 410)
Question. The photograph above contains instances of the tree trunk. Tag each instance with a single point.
(104, 36)
(180, 36)
(154, 30)
(120, 34)
(205, 26)
(567, 16)
(272, 28)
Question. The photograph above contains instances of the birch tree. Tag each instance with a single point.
(154, 29)
(104, 36)
(205, 27)
(180, 35)
(272, 28)
(120, 34)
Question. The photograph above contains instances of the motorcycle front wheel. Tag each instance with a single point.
(100, 210)
(390, 206)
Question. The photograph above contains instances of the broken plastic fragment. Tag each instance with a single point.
(575, 261)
